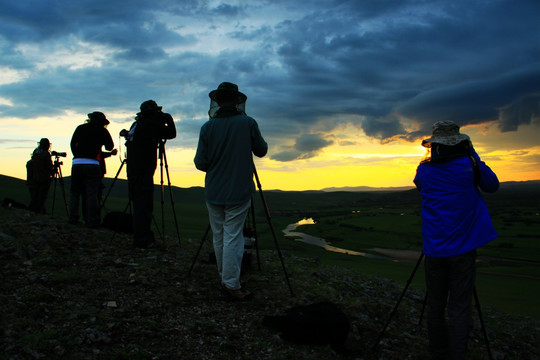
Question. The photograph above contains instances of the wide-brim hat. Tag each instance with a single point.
(44, 141)
(98, 117)
(150, 105)
(445, 133)
(230, 88)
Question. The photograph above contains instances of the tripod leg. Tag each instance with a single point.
(256, 237)
(54, 194)
(112, 185)
(161, 235)
(482, 323)
(162, 195)
(171, 195)
(63, 190)
(269, 220)
(421, 314)
(198, 250)
(399, 300)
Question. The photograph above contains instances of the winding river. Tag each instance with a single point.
(385, 254)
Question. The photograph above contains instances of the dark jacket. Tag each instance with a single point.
(88, 139)
(144, 137)
(224, 152)
(41, 166)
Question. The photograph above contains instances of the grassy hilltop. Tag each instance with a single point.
(68, 292)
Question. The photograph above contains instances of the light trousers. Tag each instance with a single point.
(227, 222)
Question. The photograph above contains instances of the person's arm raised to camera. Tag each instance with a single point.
(201, 156)
(168, 130)
(107, 140)
(259, 145)
(487, 180)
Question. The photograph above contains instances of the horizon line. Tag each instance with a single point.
(326, 189)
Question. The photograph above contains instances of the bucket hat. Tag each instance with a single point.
(445, 133)
(98, 117)
(150, 105)
(227, 87)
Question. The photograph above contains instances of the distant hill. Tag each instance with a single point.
(368, 188)
(507, 185)
(522, 185)
(120, 186)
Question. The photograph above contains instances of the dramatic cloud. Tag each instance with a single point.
(514, 97)
(389, 69)
(305, 147)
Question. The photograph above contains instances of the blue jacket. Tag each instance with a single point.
(224, 152)
(455, 218)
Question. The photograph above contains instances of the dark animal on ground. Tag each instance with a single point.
(317, 324)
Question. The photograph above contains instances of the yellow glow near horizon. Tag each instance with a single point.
(364, 162)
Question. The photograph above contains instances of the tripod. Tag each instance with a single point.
(162, 161)
(251, 233)
(269, 221)
(102, 205)
(57, 176)
(477, 302)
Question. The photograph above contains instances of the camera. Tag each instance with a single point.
(60, 154)
(124, 133)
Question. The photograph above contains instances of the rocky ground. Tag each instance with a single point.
(72, 293)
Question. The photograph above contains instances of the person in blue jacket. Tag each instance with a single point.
(226, 144)
(455, 222)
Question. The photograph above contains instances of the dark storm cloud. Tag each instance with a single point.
(382, 128)
(120, 23)
(388, 68)
(524, 111)
(305, 147)
(311, 142)
(443, 61)
(514, 98)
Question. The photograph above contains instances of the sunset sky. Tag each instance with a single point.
(343, 91)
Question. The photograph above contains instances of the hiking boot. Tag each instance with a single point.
(235, 295)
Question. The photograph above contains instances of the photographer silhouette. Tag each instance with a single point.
(150, 129)
(86, 174)
(39, 176)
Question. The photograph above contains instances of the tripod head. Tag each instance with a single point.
(57, 156)
(57, 163)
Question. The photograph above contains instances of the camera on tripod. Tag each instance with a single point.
(59, 154)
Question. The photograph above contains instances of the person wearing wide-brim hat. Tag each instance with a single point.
(445, 133)
(86, 145)
(455, 222)
(152, 127)
(226, 144)
(149, 106)
(44, 144)
(98, 118)
(226, 94)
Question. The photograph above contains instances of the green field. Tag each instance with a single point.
(508, 270)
